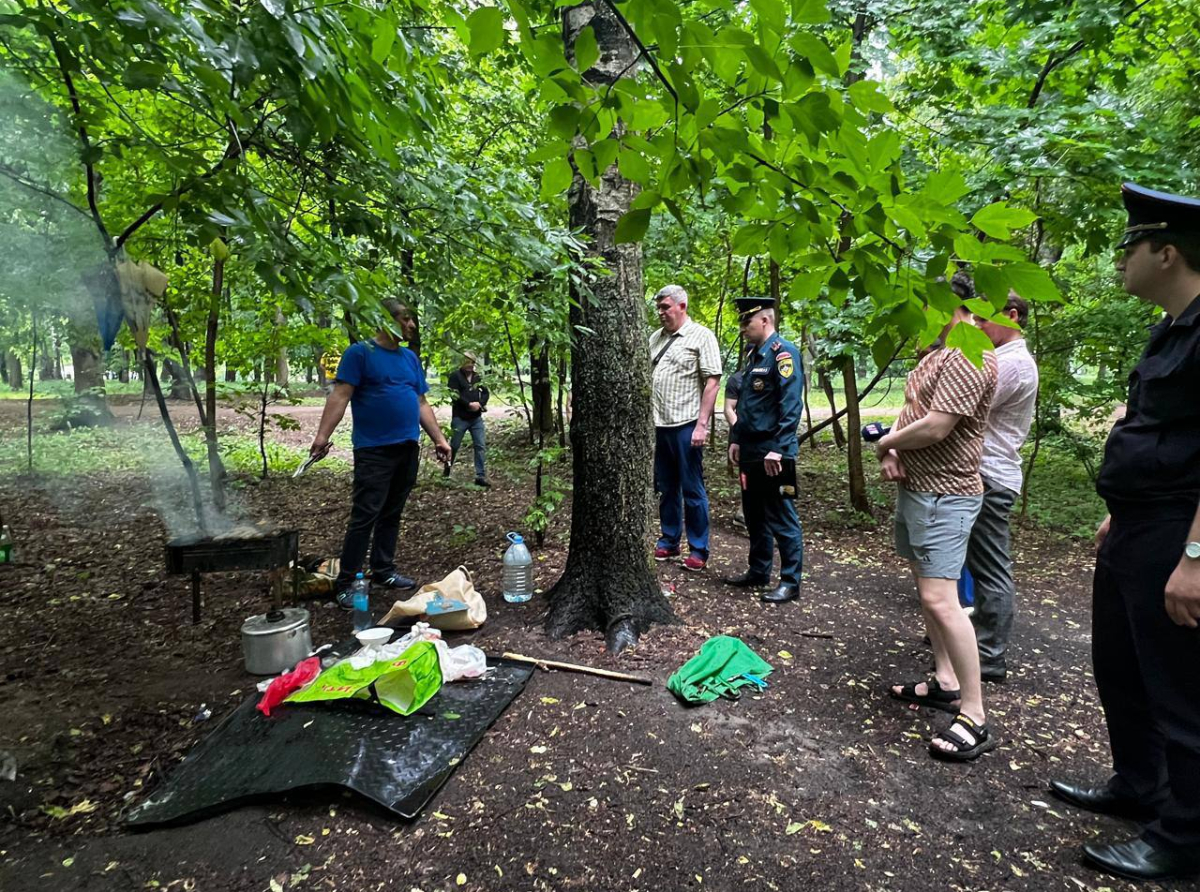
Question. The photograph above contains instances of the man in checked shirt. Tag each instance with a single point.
(686, 372)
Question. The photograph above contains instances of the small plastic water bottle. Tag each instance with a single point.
(518, 571)
(360, 597)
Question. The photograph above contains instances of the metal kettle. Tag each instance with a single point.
(275, 642)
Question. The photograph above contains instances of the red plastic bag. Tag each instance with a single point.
(278, 690)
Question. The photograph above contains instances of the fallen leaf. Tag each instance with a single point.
(304, 840)
(461, 879)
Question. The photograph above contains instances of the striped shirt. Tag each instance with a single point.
(681, 372)
(946, 381)
(1010, 416)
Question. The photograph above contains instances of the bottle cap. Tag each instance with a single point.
(358, 576)
(515, 538)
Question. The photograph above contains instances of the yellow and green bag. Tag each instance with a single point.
(403, 685)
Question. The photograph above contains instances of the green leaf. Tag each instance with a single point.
(866, 97)
(563, 120)
(749, 239)
(143, 75)
(605, 153)
(815, 50)
(632, 226)
(998, 219)
(1031, 282)
(646, 199)
(762, 62)
(554, 149)
(882, 350)
(218, 249)
(970, 340)
(585, 161)
(992, 282)
(487, 30)
(946, 186)
(810, 12)
(771, 13)
(806, 287)
(381, 47)
(556, 177)
(633, 167)
(587, 51)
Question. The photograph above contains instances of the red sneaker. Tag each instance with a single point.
(695, 563)
(665, 554)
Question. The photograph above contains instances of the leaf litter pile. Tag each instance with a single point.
(585, 783)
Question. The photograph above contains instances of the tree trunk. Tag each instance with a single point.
(123, 374)
(283, 373)
(230, 375)
(839, 438)
(216, 469)
(48, 370)
(608, 582)
(83, 334)
(16, 378)
(854, 456)
(180, 388)
(543, 391)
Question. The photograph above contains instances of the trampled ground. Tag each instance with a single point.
(821, 782)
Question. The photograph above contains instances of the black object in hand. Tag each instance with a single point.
(874, 431)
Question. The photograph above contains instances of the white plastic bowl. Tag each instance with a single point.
(374, 637)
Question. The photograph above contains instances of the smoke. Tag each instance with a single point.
(47, 236)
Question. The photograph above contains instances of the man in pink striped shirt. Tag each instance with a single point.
(1009, 418)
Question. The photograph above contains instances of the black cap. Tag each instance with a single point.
(748, 306)
(1157, 213)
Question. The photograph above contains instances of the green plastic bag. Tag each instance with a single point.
(723, 665)
(403, 685)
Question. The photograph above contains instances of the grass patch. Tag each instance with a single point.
(143, 448)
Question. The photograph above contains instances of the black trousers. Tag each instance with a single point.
(1148, 676)
(771, 521)
(383, 478)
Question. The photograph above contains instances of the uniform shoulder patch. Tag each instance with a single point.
(786, 365)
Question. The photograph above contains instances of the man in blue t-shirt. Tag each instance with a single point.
(384, 385)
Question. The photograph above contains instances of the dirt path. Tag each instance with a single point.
(821, 782)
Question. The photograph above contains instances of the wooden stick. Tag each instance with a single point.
(572, 667)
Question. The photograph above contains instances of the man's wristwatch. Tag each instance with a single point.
(1192, 550)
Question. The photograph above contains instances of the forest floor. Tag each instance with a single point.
(583, 783)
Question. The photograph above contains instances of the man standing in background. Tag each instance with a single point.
(763, 446)
(989, 555)
(384, 385)
(686, 373)
(470, 402)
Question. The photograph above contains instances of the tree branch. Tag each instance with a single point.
(232, 151)
(812, 431)
(637, 41)
(17, 178)
(61, 55)
(1053, 63)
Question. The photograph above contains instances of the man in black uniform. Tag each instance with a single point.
(763, 446)
(1146, 591)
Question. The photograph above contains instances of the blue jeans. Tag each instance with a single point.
(460, 426)
(679, 470)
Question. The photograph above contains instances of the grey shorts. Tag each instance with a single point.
(932, 531)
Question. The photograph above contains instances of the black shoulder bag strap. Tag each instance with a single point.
(667, 346)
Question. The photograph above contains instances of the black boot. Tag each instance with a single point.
(746, 580)
(781, 594)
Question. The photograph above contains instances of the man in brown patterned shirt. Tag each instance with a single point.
(933, 452)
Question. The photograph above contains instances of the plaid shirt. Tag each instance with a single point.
(680, 375)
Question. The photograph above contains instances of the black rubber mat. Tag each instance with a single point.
(396, 761)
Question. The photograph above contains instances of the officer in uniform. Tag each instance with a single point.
(1146, 591)
(763, 446)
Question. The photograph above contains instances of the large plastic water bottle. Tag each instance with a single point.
(360, 592)
(518, 571)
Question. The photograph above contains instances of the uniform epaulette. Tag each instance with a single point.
(775, 346)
